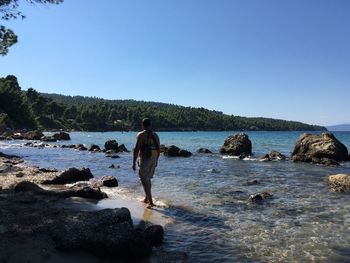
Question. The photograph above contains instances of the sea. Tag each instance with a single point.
(206, 197)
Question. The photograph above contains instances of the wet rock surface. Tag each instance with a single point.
(174, 151)
(320, 149)
(273, 156)
(236, 145)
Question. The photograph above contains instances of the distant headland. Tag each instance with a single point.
(33, 110)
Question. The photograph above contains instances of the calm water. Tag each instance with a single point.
(206, 195)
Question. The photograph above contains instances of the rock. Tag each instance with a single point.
(61, 136)
(184, 153)
(26, 186)
(17, 136)
(273, 156)
(259, 197)
(320, 149)
(80, 147)
(162, 148)
(236, 145)
(203, 150)
(122, 148)
(213, 171)
(339, 182)
(111, 166)
(154, 234)
(253, 182)
(94, 148)
(47, 170)
(113, 156)
(48, 139)
(111, 145)
(172, 151)
(108, 233)
(84, 192)
(109, 181)
(71, 175)
(33, 135)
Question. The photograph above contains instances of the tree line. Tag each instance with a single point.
(33, 110)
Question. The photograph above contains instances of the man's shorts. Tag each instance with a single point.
(147, 167)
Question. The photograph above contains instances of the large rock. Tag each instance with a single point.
(174, 151)
(109, 181)
(321, 149)
(108, 233)
(33, 135)
(61, 136)
(273, 156)
(48, 139)
(339, 182)
(111, 145)
(71, 175)
(236, 145)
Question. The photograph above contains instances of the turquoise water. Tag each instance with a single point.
(206, 196)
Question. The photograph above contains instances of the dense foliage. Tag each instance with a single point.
(30, 109)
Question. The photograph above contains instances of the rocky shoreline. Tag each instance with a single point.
(31, 221)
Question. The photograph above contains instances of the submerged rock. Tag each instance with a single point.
(273, 156)
(321, 149)
(339, 182)
(236, 145)
(71, 175)
(259, 197)
(122, 148)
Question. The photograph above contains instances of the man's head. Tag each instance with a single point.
(146, 123)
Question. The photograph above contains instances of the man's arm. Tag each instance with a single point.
(136, 152)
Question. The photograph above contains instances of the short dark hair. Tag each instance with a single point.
(146, 122)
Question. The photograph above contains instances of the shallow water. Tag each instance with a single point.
(206, 197)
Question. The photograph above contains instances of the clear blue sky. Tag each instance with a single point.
(287, 59)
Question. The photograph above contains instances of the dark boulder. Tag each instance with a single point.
(109, 181)
(33, 135)
(321, 149)
(203, 150)
(122, 148)
(111, 145)
(273, 156)
(154, 234)
(108, 233)
(184, 153)
(17, 136)
(26, 186)
(94, 148)
(174, 151)
(71, 175)
(236, 145)
(61, 136)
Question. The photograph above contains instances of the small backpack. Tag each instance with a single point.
(147, 149)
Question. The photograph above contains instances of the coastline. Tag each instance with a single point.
(28, 217)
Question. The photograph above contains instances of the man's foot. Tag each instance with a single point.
(149, 206)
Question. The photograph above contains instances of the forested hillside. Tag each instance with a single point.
(30, 109)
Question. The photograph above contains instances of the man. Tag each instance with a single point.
(147, 150)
